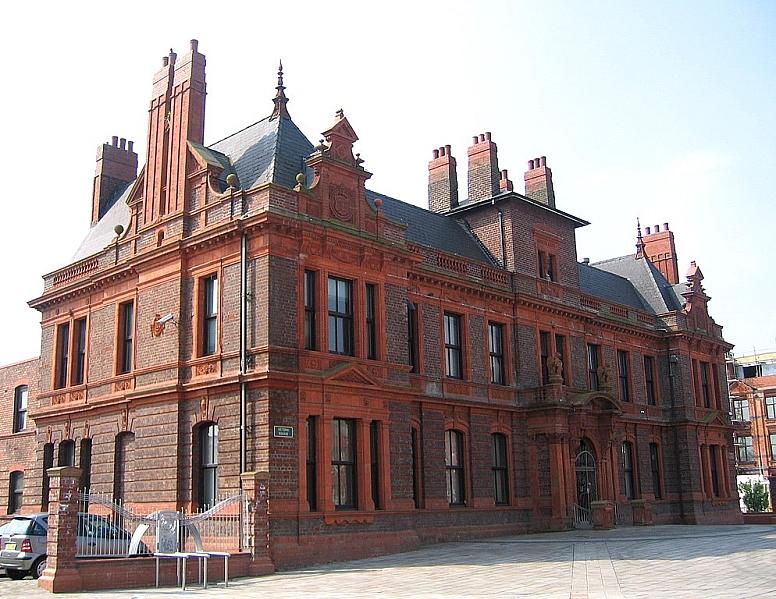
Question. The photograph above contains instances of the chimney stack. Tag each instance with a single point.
(659, 247)
(116, 168)
(538, 182)
(484, 175)
(442, 181)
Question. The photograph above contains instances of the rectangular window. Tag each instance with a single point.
(772, 439)
(741, 410)
(16, 492)
(63, 359)
(500, 469)
(544, 356)
(79, 351)
(412, 336)
(208, 464)
(126, 336)
(629, 479)
(654, 463)
(20, 398)
(623, 359)
(312, 463)
(340, 316)
(416, 467)
(374, 461)
(66, 453)
(705, 384)
(496, 349)
(210, 315)
(714, 470)
(85, 463)
(371, 323)
(454, 471)
(343, 463)
(649, 380)
(770, 407)
(309, 310)
(593, 361)
(744, 448)
(453, 346)
(48, 462)
(560, 349)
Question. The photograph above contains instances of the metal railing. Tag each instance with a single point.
(582, 517)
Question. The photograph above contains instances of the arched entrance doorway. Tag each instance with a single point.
(587, 484)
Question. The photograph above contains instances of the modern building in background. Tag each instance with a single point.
(752, 384)
(405, 375)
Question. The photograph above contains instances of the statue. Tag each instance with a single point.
(555, 366)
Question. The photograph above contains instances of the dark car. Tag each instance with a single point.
(23, 543)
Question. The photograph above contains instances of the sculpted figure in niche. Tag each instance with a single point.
(556, 366)
(605, 375)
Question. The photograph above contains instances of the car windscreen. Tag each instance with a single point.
(18, 526)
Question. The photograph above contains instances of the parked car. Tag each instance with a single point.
(23, 542)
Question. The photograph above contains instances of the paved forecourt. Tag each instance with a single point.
(693, 562)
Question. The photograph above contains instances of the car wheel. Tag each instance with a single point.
(38, 567)
(16, 574)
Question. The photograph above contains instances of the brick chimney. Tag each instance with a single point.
(484, 175)
(116, 167)
(176, 116)
(660, 249)
(442, 181)
(538, 182)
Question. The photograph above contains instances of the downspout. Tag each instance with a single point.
(677, 453)
(501, 234)
(243, 352)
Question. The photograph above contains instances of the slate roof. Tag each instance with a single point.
(272, 150)
(657, 294)
(433, 230)
(102, 233)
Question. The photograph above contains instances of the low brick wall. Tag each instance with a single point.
(762, 518)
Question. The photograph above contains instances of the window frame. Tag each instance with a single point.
(772, 440)
(374, 462)
(593, 364)
(544, 356)
(500, 468)
(413, 348)
(745, 449)
(628, 470)
(623, 374)
(649, 380)
(21, 396)
(208, 465)
(15, 491)
(79, 342)
(126, 337)
(62, 360)
(705, 388)
(654, 465)
(453, 338)
(740, 409)
(344, 472)
(770, 407)
(370, 321)
(497, 358)
(210, 305)
(455, 472)
(311, 463)
(341, 316)
(309, 290)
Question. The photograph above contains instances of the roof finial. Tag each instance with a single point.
(280, 99)
(639, 241)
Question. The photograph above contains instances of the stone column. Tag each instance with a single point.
(642, 512)
(256, 486)
(61, 574)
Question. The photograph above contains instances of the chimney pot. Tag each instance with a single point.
(123, 143)
(543, 161)
(194, 45)
(585, 260)
(447, 149)
(657, 228)
(475, 140)
(115, 141)
(482, 137)
(487, 135)
(165, 61)
(530, 165)
(647, 229)
(130, 146)
(665, 226)
(436, 154)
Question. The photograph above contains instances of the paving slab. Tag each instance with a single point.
(661, 562)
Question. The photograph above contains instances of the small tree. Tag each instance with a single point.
(755, 496)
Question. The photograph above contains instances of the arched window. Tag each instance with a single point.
(85, 463)
(48, 462)
(454, 468)
(121, 465)
(15, 491)
(500, 469)
(208, 466)
(66, 453)
(20, 408)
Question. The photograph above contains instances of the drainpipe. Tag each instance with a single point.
(501, 234)
(243, 352)
(672, 395)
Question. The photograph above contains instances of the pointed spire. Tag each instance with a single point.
(639, 241)
(280, 99)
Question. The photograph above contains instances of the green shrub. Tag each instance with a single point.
(755, 496)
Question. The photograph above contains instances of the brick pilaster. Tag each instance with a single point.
(61, 575)
(256, 486)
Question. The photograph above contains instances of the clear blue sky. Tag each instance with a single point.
(662, 111)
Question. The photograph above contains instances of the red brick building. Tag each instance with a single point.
(404, 375)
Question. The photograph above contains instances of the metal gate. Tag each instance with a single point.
(587, 486)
